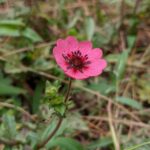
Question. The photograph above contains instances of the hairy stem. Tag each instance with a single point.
(43, 143)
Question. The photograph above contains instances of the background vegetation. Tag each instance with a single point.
(109, 112)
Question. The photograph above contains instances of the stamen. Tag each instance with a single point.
(76, 61)
(87, 63)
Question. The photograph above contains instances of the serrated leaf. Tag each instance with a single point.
(60, 109)
(129, 102)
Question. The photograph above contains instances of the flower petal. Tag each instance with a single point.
(85, 45)
(72, 43)
(59, 58)
(62, 44)
(69, 44)
(96, 67)
(76, 74)
(95, 53)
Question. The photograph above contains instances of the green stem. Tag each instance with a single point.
(42, 144)
(68, 90)
(137, 146)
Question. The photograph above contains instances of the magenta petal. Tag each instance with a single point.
(57, 52)
(72, 43)
(85, 45)
(95, 53)
(59, 58)
(67, 45)
(76, 75)
(61, 43)
(96, 67)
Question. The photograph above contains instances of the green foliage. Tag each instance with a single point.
(55, 100)
(16, 28)
(144, 88)
(65, 144)
(89, 27)
(121, 64)
(129, 102)
(37, 96)
(101, 143)
(10, 126)
(30, 97)
(103, 87)
(7, 89)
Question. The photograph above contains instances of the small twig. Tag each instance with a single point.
(122, 7)
(9, 142)
(122, 121)
(137, 4)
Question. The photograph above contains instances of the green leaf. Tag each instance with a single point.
(103, 87)
(60, 109)
(37, 96)
(65, 144)
(144, 89)
(89, 27)
(112, 57)
(129, 102)
(131, 41)
(101, 143)
(33, 138)
(16, 28)
(11, 27)
(7, 89)
(13, 67)
(10, 126)
(50, 128)
(99, 40)
(9, 31)
(31, 34)
(120, 68)
(15, 23)
(74, 20)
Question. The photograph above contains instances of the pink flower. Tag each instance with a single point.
(78, 59)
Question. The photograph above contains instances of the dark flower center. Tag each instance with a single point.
(76, 60)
